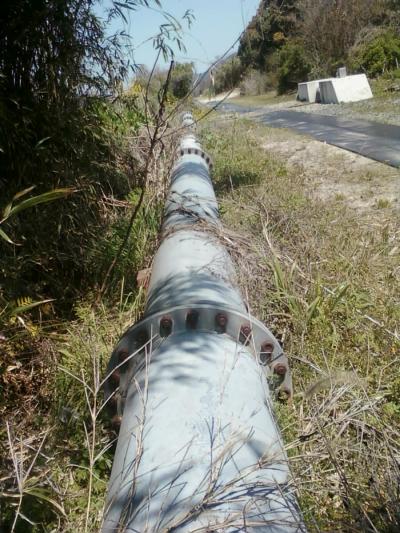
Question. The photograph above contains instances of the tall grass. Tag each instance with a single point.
(56, 477)
(324, 277)
(59, 439)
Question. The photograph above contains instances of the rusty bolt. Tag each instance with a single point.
(221, 320)
(116, 421)
(245, 332)
(122, 355)
(266, 353)
(267, 347)
(115, 377)
(165, 326)
(142, 337)
(192, 319)
(280, 369)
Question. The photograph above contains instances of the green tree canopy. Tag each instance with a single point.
(182, 79)
(274, 22)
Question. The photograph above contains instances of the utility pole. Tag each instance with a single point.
(198, 446)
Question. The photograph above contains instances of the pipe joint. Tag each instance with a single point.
(196, 150)
(206, 318)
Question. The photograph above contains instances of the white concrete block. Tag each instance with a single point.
(309, 91)
(348, 89)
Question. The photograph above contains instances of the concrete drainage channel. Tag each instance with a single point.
(198, 447)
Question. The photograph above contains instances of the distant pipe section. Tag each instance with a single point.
(198, 447)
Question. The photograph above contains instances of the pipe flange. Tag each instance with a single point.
(130, 353)
(196, 151)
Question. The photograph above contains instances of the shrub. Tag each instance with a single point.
(228, 74)
(294, 66)
(181, 79)
(378, 54)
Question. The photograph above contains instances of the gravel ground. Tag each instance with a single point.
(385, 110)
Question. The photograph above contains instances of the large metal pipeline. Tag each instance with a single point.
(198, 446)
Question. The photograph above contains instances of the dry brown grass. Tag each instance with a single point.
(326, 279)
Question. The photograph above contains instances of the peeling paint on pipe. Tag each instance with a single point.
(198, 448)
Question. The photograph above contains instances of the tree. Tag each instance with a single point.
(228, 74)
(50, 49)
(182, 79)
(329, 28)
(288, 38)
(294, 66)
(274, 22)
(56, 66)
(54, 57)
(378, 52)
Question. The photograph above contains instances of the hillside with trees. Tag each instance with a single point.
(288, 41)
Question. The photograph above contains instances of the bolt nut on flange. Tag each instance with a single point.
(115, 377)
(221, 321)
(280, 369)
(116, 422)
(245, 334)
(165, 326)
(266, 353)
(122, 355)
(192, 319)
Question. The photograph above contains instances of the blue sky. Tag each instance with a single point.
(217, 25)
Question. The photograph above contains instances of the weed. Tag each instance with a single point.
(52, 373)
(231, 156)
(383, 203)
(325, 279)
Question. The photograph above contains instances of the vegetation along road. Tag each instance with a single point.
(91, 101)
(380, 142)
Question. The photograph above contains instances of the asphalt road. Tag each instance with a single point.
(380, 142)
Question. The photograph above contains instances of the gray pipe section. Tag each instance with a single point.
(198, 447)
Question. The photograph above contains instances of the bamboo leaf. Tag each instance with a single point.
(42, 495)
(28, 306)
(25, 191)
(7, 210)
(39, 144)
(49, 196)
(4, 236)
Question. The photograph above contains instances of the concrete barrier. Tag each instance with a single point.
(309, 91)
(341, 90)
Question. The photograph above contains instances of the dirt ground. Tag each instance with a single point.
(383, 108)
(204, 99)
(335, 173)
